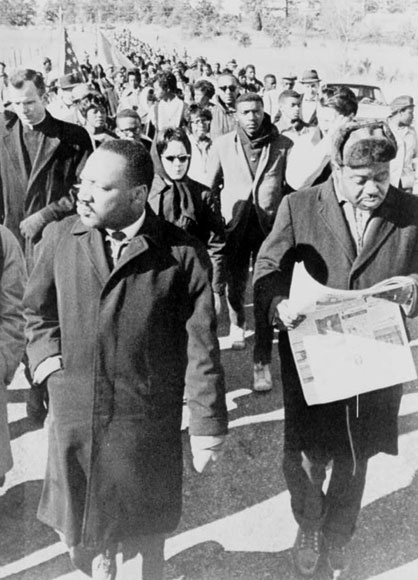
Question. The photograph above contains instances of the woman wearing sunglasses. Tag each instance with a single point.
(187, 203)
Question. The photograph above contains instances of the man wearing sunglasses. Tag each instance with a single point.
(223, 113)
(246, 169)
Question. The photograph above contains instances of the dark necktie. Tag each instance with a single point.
(118, 242)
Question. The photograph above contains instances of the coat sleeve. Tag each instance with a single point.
(275, 262)
(214, 224)
(205, 384)
(40, 303)
(12, 285)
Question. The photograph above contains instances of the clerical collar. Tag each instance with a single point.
(133, 229)
(37, 125)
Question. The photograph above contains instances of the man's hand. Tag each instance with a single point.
(205, 449)
(32, 226)
(288, 318)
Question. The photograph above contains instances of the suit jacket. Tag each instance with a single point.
(310, 227)
(131, 339)
(46, 188)
(229, 170)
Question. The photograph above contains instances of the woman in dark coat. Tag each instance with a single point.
(187, 203)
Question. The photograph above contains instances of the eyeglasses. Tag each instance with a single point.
(180, 158)
(200, 122)
(231, 88)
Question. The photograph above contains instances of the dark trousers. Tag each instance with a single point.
(238, 263)
(337, 510)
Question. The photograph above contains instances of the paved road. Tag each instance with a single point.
(237, 522)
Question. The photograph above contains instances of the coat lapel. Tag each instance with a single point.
(92, 243)
(14, 148)
(264, 157)
(333, 218)
(381, 226)
(46, 150)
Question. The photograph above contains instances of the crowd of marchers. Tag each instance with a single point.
(134, 199)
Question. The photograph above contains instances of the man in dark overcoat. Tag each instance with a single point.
(351, 232)
(120, 319)
(40, 159)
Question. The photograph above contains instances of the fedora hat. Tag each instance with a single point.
(310, 76)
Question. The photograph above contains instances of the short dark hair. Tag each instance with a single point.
(288, 94)
(134, 72)
(250, 67)
(167, 81)
(139, 166)
(201, 113)
(172, 134)
(21, 76)
(344, 101)
(206, 87)
(249, 98)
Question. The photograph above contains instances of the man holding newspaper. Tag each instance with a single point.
(351, 232)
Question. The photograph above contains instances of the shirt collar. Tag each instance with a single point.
(132, 230)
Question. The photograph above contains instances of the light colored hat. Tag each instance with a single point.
(400, 103)
(310, 76)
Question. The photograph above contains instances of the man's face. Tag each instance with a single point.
(250, 116)
(133, 81)
(250, 74)
(119, 78)
(47, 66)
(290, 108)
(227, 86)
(159, 92)
(200, 98)
(328, 118)
(365, 187)
(269, 83)
(288, 84)
(311, 90)
(200, 126)
(406, 116)
(96, 117)
(83, 104)
(106, 199)
(128, 128)
(28, 104)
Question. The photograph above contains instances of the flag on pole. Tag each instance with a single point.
(109, 55)
(69, 62)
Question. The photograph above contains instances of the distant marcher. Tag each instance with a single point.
(290, 123)
(169, 110)
(309, 161)
(97, 122)
(288, 82)
(271, 96)
(224, 113)
(3, 83)
(204, 91)
(201, 142)
(403, 167)
(310, 98)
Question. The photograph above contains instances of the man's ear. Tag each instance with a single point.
(140, 193)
